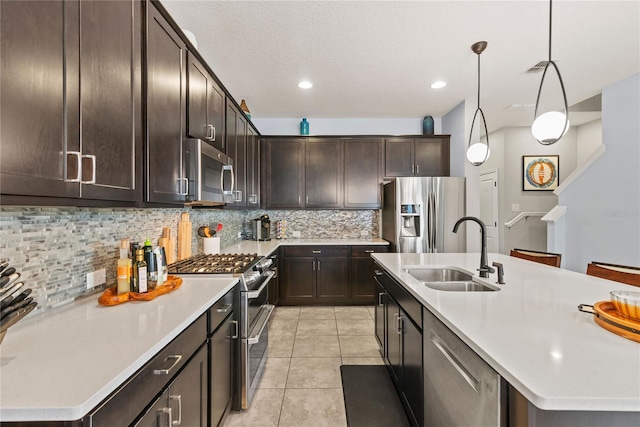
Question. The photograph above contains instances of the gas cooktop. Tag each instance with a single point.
(215, 264)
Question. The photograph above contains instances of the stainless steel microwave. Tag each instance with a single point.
(209, 173)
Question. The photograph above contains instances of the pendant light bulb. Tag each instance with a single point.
(549, 127)
(478, 153)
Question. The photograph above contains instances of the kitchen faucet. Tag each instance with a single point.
(484, 265)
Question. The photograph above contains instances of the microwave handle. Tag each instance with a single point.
(233, 184)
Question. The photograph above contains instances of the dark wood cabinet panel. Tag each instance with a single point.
(32, 112)
(363, 283)
(110, 90)
(412, 376)
(188, 392)
(205, 105)
(253, 168)
(221, 363)
(380, 318)
(398, 157)
(236, 149)
(285, 172)
(165, 110)
(432, 156)
(299, 280)
(419, 156)
(362, 173)
(394, 338)
(323, 173)
(332, 279)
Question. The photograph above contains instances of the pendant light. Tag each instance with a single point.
(549, 127)
(478, 153)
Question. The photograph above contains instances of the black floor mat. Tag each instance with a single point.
(370, 398)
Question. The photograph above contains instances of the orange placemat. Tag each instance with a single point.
(110, 296)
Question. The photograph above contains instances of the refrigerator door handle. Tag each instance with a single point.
(433, 220)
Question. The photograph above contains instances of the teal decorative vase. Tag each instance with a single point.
(427, 125)
(304, 127)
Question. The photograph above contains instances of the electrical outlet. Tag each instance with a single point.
(296, 234)
(96, 278)
(364, 233)
(515, 207)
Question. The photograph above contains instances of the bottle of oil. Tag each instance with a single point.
(124, 268)
(140, 273)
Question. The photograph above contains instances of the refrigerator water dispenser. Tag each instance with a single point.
(410, 220)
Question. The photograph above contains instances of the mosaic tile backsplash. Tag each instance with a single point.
(55, 247)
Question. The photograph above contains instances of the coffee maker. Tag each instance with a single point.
(261, 228)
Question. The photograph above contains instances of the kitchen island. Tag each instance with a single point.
(531, 333)
(60, 365)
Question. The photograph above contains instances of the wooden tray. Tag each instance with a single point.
(608, 317)
(110, 296)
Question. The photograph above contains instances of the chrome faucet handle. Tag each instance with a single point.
(485, 270)
(500, 268)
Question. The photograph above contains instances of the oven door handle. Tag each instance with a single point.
(255, 338)
(256, 294)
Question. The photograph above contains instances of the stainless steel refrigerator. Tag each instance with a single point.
(418, 214)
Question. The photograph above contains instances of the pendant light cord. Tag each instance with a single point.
(478, 80)
(550, 21)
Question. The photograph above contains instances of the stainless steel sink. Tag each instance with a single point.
(463, 286)
(444, 274)
(449, 279)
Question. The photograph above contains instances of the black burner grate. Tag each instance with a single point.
(215, 264)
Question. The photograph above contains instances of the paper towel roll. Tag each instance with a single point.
(211, 245)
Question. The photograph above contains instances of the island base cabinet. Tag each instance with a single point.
(460, 389)
(221, 365)
(379, 319)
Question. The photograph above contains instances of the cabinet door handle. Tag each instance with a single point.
(75, 154)
(377, 272)
(224, 309)
(238, 196)
(91, 180)
(316, 251)
(399, 324)
(211, 133)
(417, 168)
(161, 413)
(313, 265)
(177, 397)
(236, 330)
(299, 200)
(307, 200)
(380, 303)
(184, 186)
(318, 265)
(176, 359)
(413, 168)
(369, 251)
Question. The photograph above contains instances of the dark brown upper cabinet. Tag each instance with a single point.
(284, 172)
(206, 105)
(63, 62)
(362, 173)
(237, 149)
(253, 168)
(417, 156)
(323, 173)
(166, 100)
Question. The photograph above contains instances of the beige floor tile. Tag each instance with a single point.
(287, 313)
(352, 313)
(362, 361)
(275, 372)
(359, 346)
(355, 326)
(280, 345)
(282, 327)
(314, 372)
(264, 411)
(317, 327)
(316, 346)
(317, 313)
(313, 408)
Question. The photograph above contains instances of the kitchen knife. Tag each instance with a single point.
(12, 278)
(8, 272)
(25, 293)
(6, 302)
(16, 316)
(4, 264)
(14, 306)
(11, 291)
(3, 281)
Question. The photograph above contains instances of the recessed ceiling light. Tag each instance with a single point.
(438, 84)
(305, 84)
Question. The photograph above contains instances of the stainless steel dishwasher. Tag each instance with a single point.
(460, 389)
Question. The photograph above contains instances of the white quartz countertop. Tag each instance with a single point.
(531, 332)
(265, 248)
(59, 365)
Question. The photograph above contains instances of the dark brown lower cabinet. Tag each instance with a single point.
(332, 279)
(221, 364)
(363, 284)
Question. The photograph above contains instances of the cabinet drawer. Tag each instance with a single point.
(408, 303)
(366, 251)
(316, 251)
(220, 310)
(134, 395)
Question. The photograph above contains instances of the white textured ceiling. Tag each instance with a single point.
(377, 59)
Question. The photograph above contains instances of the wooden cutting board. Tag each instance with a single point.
(169, 245)
(184, 236)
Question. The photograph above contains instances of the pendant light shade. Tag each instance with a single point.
(478, 153)
(550, 126)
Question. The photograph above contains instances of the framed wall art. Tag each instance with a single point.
(540, 173)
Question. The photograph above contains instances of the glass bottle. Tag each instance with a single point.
(124, 268)
(140, 273)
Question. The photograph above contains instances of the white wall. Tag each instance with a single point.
(344, 126)
(589, 138)
(453, 124)
(603, 204)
